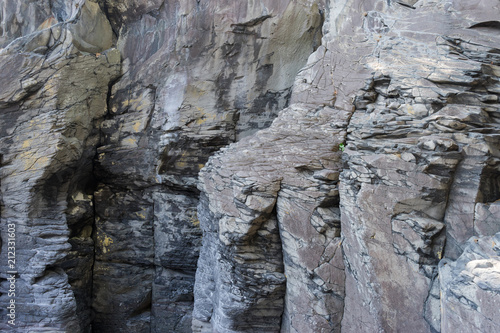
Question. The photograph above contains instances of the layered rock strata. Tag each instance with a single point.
(422, 141)
(417, 112)
(194, 77)
(288, 166)
(53, 99)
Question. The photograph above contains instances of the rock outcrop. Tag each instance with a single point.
(422, 141)
(470, 287)
(417, 113)
(53, 99)
(194, 77)
(265, 166)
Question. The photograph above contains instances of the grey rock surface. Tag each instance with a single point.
(421, 149)
(53, 99)
(470, 287)
(196, 76)
(416, 111)
(265, 166)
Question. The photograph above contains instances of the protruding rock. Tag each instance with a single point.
(92, 31)
(470, 287)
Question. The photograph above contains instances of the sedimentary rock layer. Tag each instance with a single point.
(194, 76)
(53, 99)
(264, 166)
(416, 109)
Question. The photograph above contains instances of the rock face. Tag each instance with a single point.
(265, 166)
(422, 153)
(53, 99)
(256, 188)
(189, 79)
(196, 76)
(417, 111)
(470, 287)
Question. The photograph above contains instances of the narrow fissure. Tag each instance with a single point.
(344, 166)
(96, 181)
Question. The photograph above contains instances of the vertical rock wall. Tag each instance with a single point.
(416, 108)
(288, 166)
(196, 76)
(53, 99)
(422, 140)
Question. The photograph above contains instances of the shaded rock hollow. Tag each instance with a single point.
(349, 163)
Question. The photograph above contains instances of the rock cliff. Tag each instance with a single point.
(283, 166)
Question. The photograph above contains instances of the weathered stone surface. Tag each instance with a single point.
(470, 287)
(348, 150)
(421, 144)
(52, 99)
(177, 230)
(421, 151)
(92, 30)
(20, 18)
(196, 77)
(273, 180)
(133, 283)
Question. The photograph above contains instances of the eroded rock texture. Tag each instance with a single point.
(53, 99)
(416, 108)
(196, 76)
(422, 153)
(263, 166)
